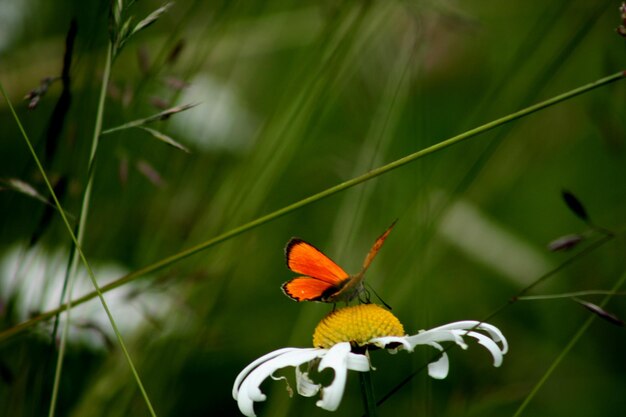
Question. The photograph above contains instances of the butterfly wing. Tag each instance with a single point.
(323, 276)
(304, 258)
(308, 289)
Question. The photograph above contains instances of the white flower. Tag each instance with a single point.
(343, 338)
(246, 388)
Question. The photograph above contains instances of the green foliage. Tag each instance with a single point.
(311, 96)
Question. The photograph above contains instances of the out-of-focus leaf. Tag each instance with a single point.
(59, 115)
(150, 173)
(7, 375)
(164, 138)
(25, 188)
(621, 29)
(123, 170)
(159, 102)
(143, 59)
(175, 83)
(116, 12)
(575, 205)
(35, 95)
(175, 52)
(150, 19)
(95, 327)
(122, 35)
(566, 242)
(600, 312)
(60, 189)
(165, 114)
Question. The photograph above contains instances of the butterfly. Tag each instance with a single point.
(322, 279)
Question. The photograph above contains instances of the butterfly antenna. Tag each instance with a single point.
(378, 296)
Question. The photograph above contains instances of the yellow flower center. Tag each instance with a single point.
(357, 324)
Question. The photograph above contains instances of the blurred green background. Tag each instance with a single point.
(295, 97)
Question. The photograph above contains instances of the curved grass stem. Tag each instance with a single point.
(570, 295)
(317, 197)
(583, 328)
(98, 292)
(520, 296)
(80, 231)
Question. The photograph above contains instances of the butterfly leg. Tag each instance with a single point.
(364, 297)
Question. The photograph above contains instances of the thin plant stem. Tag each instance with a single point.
(84, 212)
(581, 254)
(367, 391)
(569, 295)
(583, 328)
(99, 293)
(317, 197)
(74, 259)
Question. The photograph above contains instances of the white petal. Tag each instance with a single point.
(493, 331)
(435, 335)
(439, 368)
(490, 345)
(306, 386)
(454, 332)
(254, 364)
(496, 335)
(359, 363)
(382, 342)
(258, 375)
(337, 359)
(248, 391)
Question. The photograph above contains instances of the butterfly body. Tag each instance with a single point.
(322, 279)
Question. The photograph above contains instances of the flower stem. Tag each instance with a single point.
(367, 391)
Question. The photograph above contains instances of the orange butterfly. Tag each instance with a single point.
(323, 279)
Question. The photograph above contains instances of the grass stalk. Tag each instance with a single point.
(573, 294)
(557, 361)
(317, 197)
(84, 212)
(520, 296)
(77, 245)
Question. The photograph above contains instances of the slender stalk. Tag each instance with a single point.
(583, 328)
(98, 292)
(367, 391)
(84, 212)
(520, 295)
(315, 198)
(570, 295)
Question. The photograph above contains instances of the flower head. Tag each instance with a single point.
(358, 325)
(342, 339)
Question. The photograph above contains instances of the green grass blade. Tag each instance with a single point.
(98, 291)
(319, 196)
(70, 277)
(163, 115)
(557, 361)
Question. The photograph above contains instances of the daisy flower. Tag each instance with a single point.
(342, 341)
